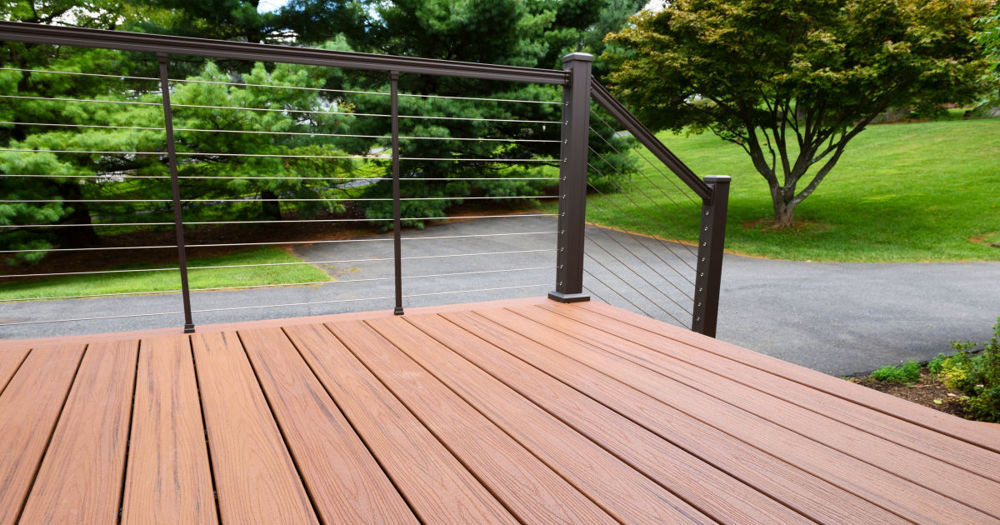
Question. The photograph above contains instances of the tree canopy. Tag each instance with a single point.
(989, 39)
(793, 82)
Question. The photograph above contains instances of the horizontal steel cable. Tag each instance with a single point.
(61, 125)
(310, 303)
(481, 99)
(194, 154)
(330, 199)
(77, 73)
(467, 159)
(282, 221)
(277, 243)
(347, 113)
(252, 177)
(270, 155)
(314, 283)
(97, 318)
(292, 133)
(231, 266)
(86, 296)
(341, 261)
(87, 100)
(237, 308)
(278, 86)
(277, 110)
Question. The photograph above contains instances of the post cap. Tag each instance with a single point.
(723, 179)
(580, 57)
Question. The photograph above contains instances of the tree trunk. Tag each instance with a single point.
(270, 206)
(784, 215)
(784, 209)
(77, 236)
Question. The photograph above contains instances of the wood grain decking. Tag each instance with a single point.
(520, 411)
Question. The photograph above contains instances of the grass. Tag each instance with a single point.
(926, 191)
(161, 281)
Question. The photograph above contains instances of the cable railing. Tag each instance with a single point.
(670, 279)
(277, 207)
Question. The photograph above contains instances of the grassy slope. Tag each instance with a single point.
(166, 281)
(901, 192)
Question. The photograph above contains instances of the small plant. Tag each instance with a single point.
(934, 366)
(908, 372)
(976, 376)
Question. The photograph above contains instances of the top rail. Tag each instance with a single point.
(75, 36)
(603, 97)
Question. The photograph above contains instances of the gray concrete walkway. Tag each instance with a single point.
(837, 318)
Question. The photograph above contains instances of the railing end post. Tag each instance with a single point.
(711, 239)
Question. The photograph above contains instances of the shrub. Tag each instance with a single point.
(978, 377)
(958, 372)
(908, 372)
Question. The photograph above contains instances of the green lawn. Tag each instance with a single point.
(901, 192)
(167, 280)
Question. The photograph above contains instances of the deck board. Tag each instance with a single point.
(255, 477)
(168, 477)
(80, 478)
(28, 415)
(502, 412)
(10, 361)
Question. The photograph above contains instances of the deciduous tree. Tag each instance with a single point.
(793, 82)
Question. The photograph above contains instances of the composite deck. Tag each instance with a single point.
(523, 411)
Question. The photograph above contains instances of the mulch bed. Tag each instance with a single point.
(927, 391)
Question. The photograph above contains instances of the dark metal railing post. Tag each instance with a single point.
(168, 124)
(573, 180)
(397, 227)
(708, 279)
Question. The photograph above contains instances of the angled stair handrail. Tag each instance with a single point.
(606, 100)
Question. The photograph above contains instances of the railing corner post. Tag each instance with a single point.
(712, 236)
(573, 180)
